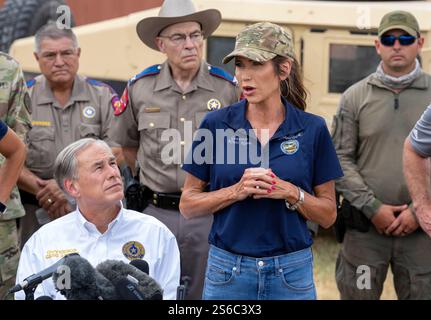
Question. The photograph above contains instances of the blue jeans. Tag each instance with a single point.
(234, 277)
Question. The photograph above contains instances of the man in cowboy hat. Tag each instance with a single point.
(173, 96)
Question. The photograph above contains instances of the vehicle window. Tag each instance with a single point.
(350, 63)
(217, 49)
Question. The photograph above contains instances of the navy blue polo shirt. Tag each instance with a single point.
(3, 129)
(300, 151)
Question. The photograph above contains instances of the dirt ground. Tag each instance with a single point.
(325, 251)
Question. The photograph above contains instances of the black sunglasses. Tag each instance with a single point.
(405, 40)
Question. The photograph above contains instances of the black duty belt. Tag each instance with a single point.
(163, 200)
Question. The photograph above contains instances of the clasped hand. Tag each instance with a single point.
(262, 183)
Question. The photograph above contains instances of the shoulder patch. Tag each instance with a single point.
(220, 73)
(98, 83)
(119, 105)
(30, 83)
(150, 71)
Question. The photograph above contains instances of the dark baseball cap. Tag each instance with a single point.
(399, 20)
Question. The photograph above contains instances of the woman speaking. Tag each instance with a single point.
(260, 244)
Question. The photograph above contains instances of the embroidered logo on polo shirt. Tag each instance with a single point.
(289, 147)
(133, 250)
(294, 137)
(213, 104)
(238, 140)
(89, 112)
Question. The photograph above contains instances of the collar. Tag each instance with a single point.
(292, 124)
(79, 92)
(202, 79)
(421, 82)
(91, 228)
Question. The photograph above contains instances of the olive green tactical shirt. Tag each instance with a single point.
(369, 130)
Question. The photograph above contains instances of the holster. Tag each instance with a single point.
(348, 217)
(134, 192)
(135, 197)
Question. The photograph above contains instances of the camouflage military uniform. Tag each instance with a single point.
(14, 104)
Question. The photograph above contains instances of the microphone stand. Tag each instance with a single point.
(29, 292)
(183, 288)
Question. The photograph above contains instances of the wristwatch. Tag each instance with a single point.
(298, 202)
(3, 208)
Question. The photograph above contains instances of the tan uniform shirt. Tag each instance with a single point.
(88, 114)
(153, 103)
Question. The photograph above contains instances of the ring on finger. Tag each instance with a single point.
(49, 201)
(257, 187)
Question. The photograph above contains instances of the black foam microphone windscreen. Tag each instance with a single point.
(114, 270)
(85, 282)
(141, 265)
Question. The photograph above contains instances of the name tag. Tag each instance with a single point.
(151, 110)
(41, 123)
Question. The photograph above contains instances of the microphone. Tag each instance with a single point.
(115, 270)
(44, 298)
(85, 282)
(128, 289)
(141, 265)
(35, 279)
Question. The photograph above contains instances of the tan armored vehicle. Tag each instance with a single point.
(334, 42)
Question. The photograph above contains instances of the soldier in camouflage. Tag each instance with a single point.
(14, 111)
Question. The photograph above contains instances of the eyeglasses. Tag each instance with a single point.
(181, 38)
(405, 40)
(65, 55)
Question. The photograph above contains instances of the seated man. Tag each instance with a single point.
(100, 228)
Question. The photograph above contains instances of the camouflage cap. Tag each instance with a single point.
(399, 20)
(261, 42)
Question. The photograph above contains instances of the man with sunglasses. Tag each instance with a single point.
(65, 107)
(173, 96)
(374, 117)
